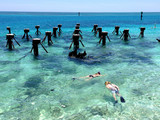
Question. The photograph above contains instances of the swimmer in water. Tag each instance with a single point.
(115, 91)
(93, 76)
(98, 74)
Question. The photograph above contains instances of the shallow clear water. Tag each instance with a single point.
(26, 81)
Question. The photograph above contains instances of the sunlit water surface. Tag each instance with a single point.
(26, 81)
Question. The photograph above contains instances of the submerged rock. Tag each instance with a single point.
(97, 110)
(64, 103)
(137, 92)
(56, 112)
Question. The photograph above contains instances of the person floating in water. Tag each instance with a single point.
(115, 91)
(98, 74)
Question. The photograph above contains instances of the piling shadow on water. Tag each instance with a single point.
(93, 60)
(31, 92)
(148, 44)
(135, 58)
(33, 82)
(131, 56)
(33, 86)
(137, 92)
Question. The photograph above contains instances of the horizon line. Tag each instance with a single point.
(80, 12)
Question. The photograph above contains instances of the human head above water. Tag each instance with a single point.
(107, 82)
(99, 73)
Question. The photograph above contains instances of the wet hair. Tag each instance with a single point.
(106, 83)
(99, 73)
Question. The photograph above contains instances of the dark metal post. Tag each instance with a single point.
(9, 38)
(9, 29)
(78, 24)
(141, 15)
(94, 28)
(55, 31)
(117, 30)
(77, 31)
(104, 34)
(37, 32)
(26, 31)
(126, 34)
(48, 34)
(76, 27)
(103, 38)
(99, 29)
(142, 31)
(35, 43)
(76, 41)
(60, 30)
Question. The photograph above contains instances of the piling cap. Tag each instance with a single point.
(9, 36)
(104, 33)
(37, 26)
(36, 40)
(77, 27)
(99, 28)
(59, 25)
(26, 30)
(8, 28)
(55, 28)
(142, 28)
(126, 30)
(78, 24)
(48, 32)
(117, 27)
(95, 25)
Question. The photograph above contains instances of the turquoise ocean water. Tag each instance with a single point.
(26, 81)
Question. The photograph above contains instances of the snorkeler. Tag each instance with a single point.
(115, 91)
(98, 74)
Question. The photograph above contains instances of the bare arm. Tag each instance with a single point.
(107, 87)
(103, 75)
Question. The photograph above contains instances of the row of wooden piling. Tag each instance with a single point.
(10, 36)
(125, 35)
(76, 37)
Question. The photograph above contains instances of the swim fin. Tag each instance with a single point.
(122, 99)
